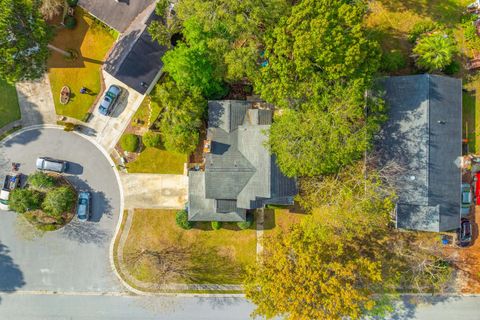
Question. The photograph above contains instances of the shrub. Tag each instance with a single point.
(70, 22)
(129, 142)
(247, 223)
(59, 200)
(41, 180)
(393, 61)
(72, 3)
(151, 139)
(435, 51)
(452, 68)
(23, 200)
(420, 28)
(216, 225)
(181, 219)
(68, 126)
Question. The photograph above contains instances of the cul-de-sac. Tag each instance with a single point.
(225, 159)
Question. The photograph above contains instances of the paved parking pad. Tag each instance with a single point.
(76, 257)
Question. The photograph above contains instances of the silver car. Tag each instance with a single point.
(50, 164)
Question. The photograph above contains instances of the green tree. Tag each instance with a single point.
(23, 200)
(435, 51)
(181, 116)
(162, 31)
(322, 137)
(232, 30)
(151, 139)
(320, 43)
(193, 68)
(41, 180)
(23, 41)
(59, 200)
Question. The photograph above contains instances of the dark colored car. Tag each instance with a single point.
(465, 233)
(83, 208)
(109, 99)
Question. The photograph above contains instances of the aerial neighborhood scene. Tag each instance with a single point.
(225, 159)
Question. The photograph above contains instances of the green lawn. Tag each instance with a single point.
(216, 256)
(92, 43)
(9, 109)
(154, 160)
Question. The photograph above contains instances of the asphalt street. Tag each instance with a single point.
(74, 258)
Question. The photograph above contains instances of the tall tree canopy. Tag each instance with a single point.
(232, 29)
(23, 41)
(320, 43)
(323, 136)
(181, 116)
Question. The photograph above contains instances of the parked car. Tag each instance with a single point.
(11, 182)
(467, 199)
(50, 164)
(465, 233)
(476, 180)
(109, 99)
(83, 208)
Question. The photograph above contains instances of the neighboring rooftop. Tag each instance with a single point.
(424, 136)
(116, 14)
(136, 58)
(240, 173)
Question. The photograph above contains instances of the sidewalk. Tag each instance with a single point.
(36, 102)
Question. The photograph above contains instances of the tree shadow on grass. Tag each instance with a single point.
(214, 265)
(11, 277)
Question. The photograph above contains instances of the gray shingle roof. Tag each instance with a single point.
(116, 14)
(423, 135)
(239, 171)
(136, 58)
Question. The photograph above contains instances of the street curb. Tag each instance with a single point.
(120, 219)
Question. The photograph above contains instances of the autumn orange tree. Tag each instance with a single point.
(310, 273)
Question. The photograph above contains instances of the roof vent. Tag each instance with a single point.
(412, 178)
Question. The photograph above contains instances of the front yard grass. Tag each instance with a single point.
(154, 160)
(217, 256)
(92, 43)
(9, 109)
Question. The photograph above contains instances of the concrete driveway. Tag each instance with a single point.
(108, 129)
(160, 191)
(76, 257)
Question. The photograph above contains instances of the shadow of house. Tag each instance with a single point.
(424, 137)
(240, 174)
(11, 277)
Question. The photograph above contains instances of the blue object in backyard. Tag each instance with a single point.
(445, 240)
(264, 64)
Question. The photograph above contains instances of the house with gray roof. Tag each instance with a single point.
(424, 136)
(238, 172)
(135, 59)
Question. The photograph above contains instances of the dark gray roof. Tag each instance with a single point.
(117, 15)
(424, 135)
(136, 58)
(239, 170)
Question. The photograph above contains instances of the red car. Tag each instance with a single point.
(477, 187)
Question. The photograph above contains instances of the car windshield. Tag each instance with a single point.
(107, 99)
(83, 201)
(82, 216)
